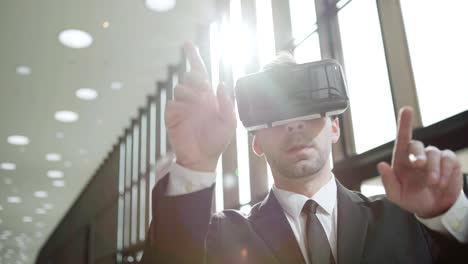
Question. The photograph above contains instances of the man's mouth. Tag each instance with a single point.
(296, 148)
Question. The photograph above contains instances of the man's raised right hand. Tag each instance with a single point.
(200, 124)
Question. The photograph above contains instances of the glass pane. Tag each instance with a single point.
(119, 258)
(238, 68)
(265, 34)
(303, 18)
(120, 220)
(372, 187)
(135, 153)
(152, 137)
(128, 161)
(127, 220)
(143, 144)
(366, 70)
(120, 223)
(134, 212)
(309, 50)
(215, 60)
(438, 49)
(122, 168)
(142, 208)
(163, 145)
(152, 175)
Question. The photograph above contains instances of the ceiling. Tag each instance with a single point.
(135, 50)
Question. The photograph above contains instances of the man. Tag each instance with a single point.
(308, 217)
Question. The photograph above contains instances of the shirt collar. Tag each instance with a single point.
(293, 203)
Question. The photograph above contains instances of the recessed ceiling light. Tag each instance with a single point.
(75, 38)
(105, 24)
(14, 199)
(8, 181)
(87, 94)
(116, 85)
(160, 5)
(39, 225)
(7, 166)
(23, 70)
(66, 116)
(27, 219)
(40, 211)
(55, 174)
(58, 183)
(59, 135)
(48, 206)
(18, 140)
(1, 208)
(40, 194)
(53, 157)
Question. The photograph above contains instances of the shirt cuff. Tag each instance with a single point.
(453, 222)
(185, 181)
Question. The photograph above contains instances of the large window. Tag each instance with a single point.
(136, 179)
(120, 216)
(215, 61)
(308, 50)
(241, 33)
(437, 40)
(265, 36)
(152, 156)
(303, 23)
(372, 187)
(135, 185)
(371, 102)
(163, 140)
(143, 151)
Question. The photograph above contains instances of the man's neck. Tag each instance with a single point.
(307, 186)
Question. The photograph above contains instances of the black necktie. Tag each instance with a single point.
(318, 248)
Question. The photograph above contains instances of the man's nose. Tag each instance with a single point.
(295, 126)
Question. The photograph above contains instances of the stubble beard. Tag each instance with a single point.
(299, 169)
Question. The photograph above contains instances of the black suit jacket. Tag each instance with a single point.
(369, 231)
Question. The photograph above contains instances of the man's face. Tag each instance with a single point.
(298, 149)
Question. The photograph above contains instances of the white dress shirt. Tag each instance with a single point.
(454, 222)
(327, 213)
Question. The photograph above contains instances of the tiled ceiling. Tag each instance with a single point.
(135, 49)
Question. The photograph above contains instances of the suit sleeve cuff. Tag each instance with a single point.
(185, 181)
(454, 222)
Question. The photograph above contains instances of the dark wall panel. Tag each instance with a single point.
(95, 207)
(105, 231)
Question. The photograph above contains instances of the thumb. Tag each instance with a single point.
(226, 104)
(390, 181)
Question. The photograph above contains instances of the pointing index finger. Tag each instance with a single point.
(195, 60)
(404, 134)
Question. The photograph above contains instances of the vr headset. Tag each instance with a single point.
(291, 92)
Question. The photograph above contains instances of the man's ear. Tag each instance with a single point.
(335, 124)
(257, 149)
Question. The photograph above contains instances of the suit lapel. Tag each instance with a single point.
(352, 226)
(271, 224)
